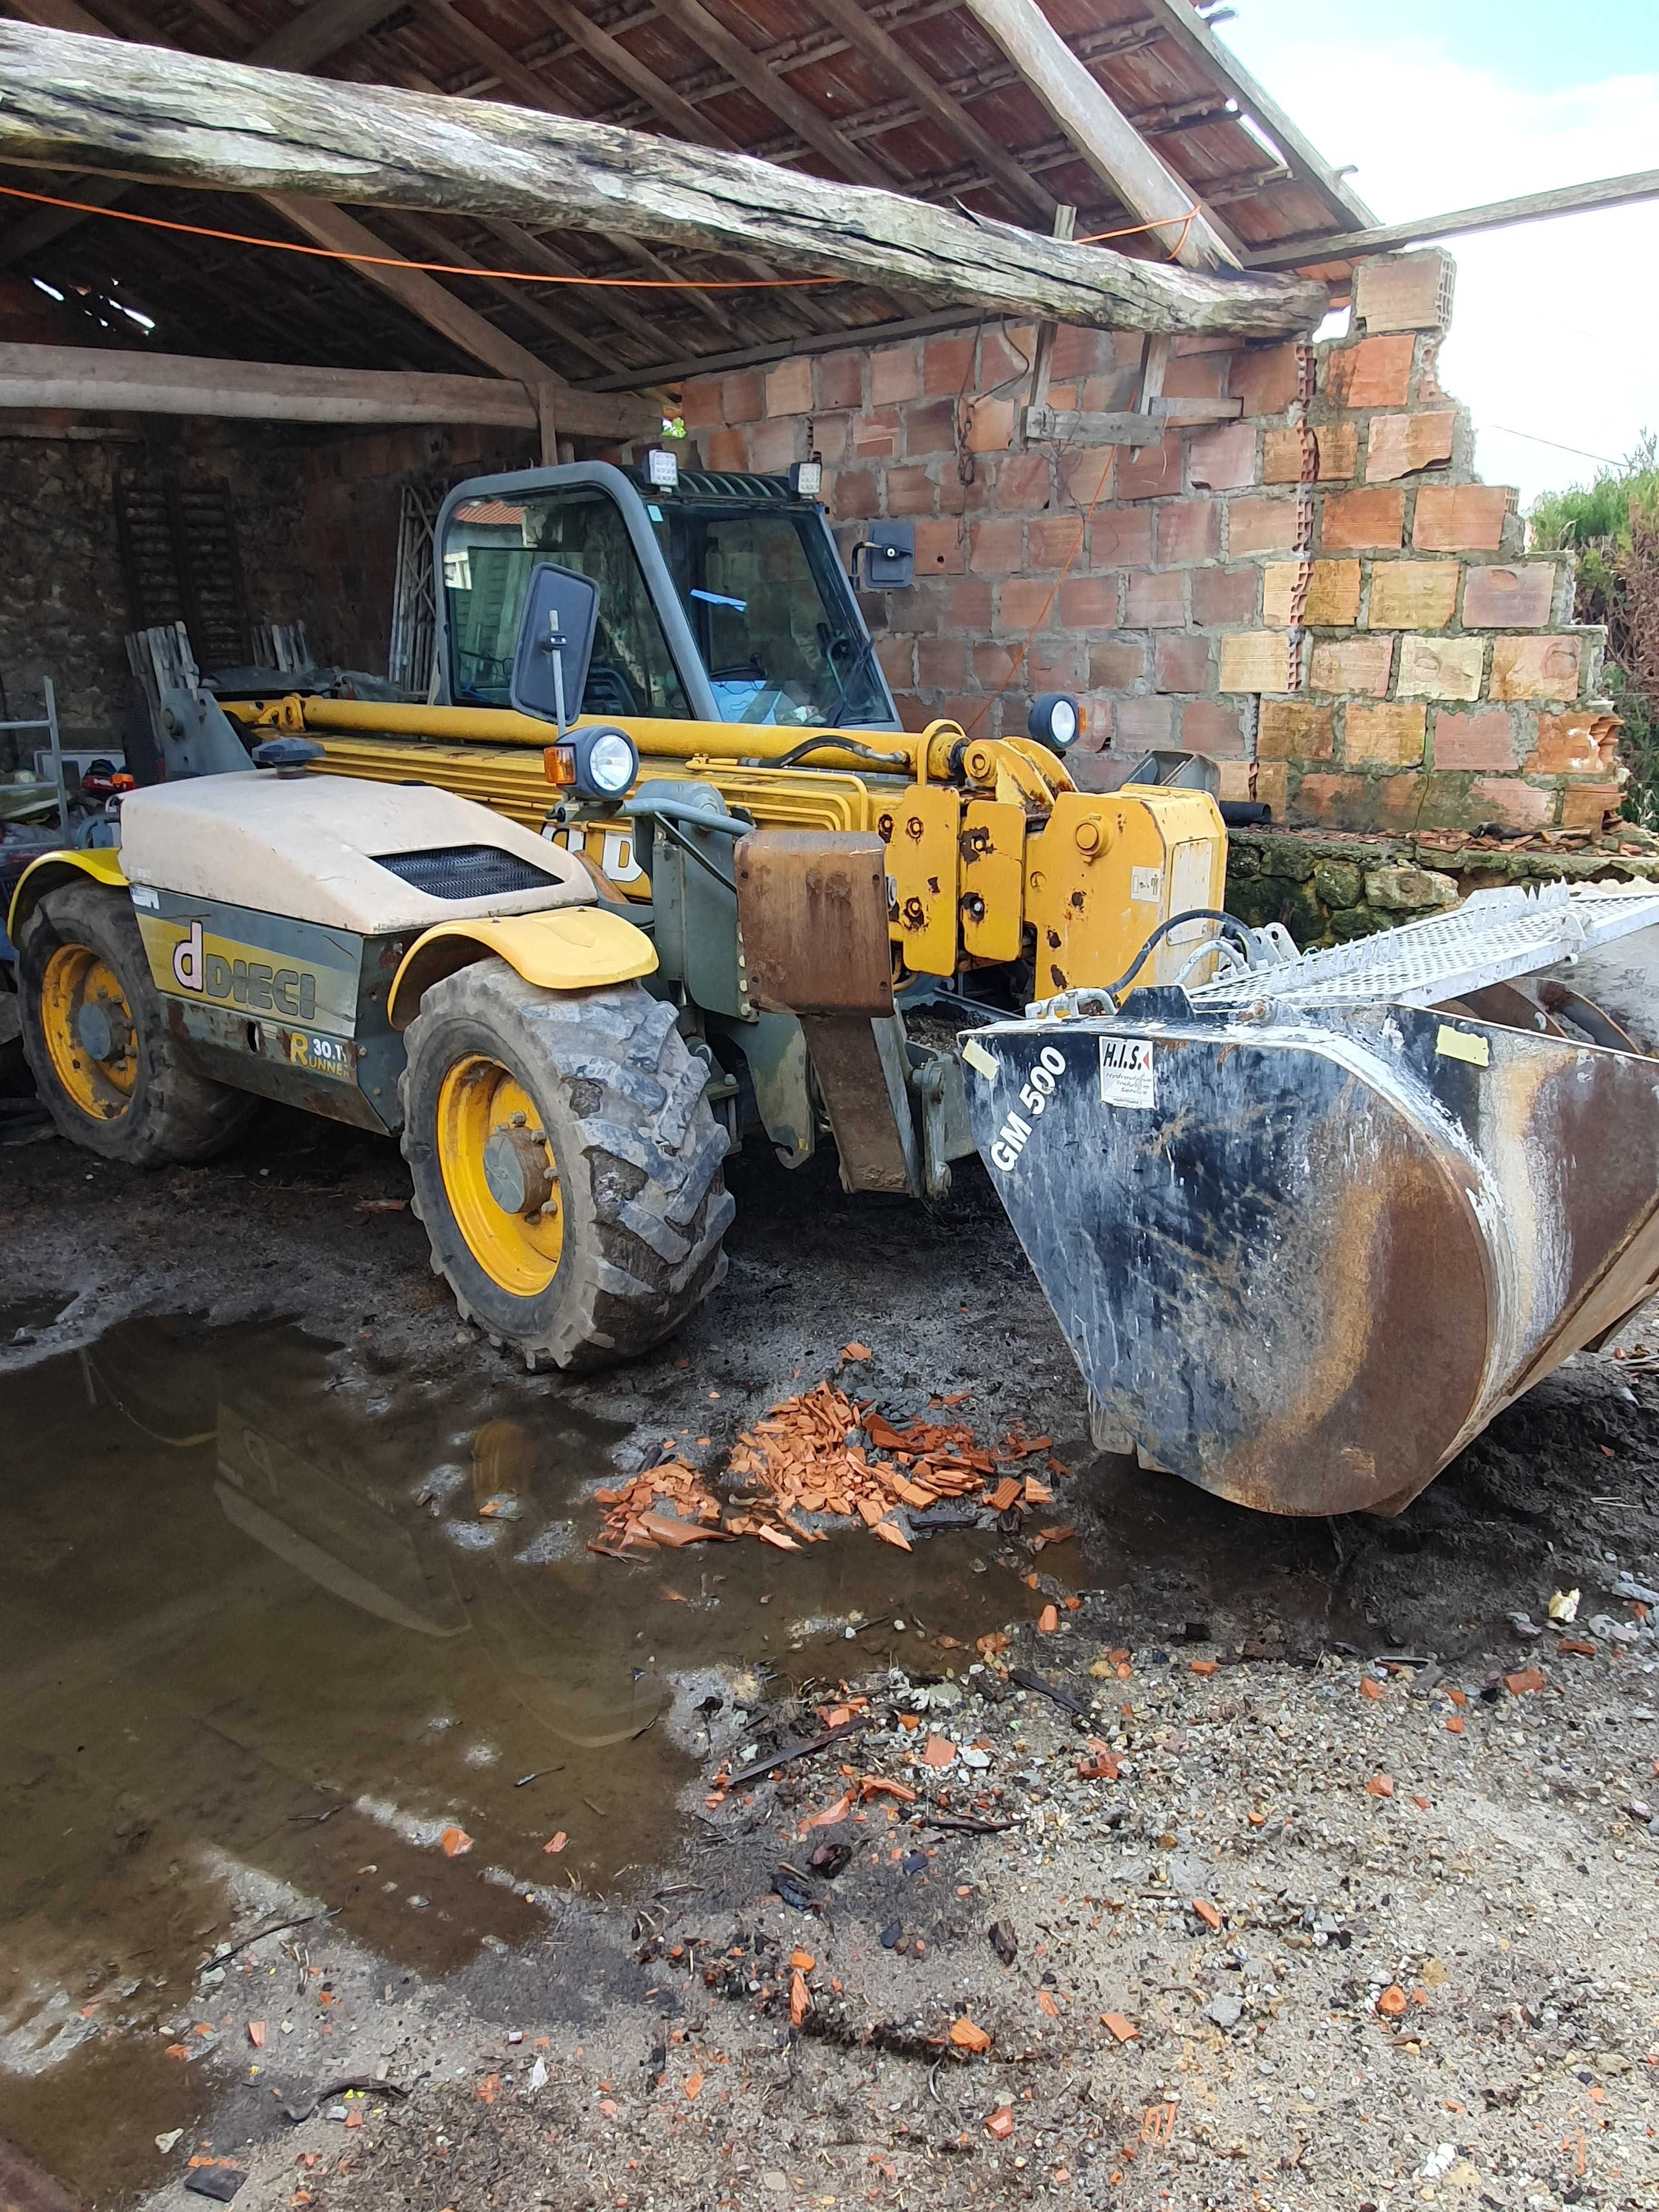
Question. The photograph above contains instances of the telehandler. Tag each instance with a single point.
(692, 905)
(657, 868)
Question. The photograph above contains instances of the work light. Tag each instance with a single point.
(662, 471)
(1054, 721)
(599, 763)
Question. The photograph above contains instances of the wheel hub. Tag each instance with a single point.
(518, 1173)
(103, 1030)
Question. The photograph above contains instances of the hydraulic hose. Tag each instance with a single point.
(1230, 924)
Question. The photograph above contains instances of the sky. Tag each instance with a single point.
(1555, 325)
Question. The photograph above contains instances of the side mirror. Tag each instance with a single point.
(890, 557)
(555, 643)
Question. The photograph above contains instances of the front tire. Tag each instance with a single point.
(108, 1069)
(566, 1165)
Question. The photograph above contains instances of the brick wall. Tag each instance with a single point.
(1439, 682)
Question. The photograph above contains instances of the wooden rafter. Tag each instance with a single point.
(76, 103)
(932, 99)
(316, 219)
(790, 107)
(1103, 134)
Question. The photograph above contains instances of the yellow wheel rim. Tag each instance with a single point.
(500, 1176)
(89, 1032)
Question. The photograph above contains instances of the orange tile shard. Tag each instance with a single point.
(1121, 2029)
(455, 1842)
(1000, 2123)
(967, 2035)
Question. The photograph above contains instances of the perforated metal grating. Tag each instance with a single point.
(1492, 937)
(465, 871)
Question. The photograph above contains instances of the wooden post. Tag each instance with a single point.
(547, 423)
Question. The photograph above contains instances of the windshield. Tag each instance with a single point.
(490, 549)
(773, 616)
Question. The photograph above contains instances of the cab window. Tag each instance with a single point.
(490, 548)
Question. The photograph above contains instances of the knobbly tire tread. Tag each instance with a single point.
(176, 1114)
(637, 1147)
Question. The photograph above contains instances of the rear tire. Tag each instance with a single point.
(143, 1103)
(614, 1130)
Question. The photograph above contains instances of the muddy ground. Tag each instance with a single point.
(258, 1652)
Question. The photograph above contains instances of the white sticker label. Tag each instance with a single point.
(1146, 884)
(982, 1062)
(150, 901)
(1462, 1044)
(1126, 1071)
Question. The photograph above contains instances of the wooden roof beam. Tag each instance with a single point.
(77, 103)
(183, 384)
(1103, 134)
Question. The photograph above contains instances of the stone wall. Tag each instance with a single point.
(1438, 681)
(316, 526)
(1329, 890)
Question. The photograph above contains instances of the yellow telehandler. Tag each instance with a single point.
(657, 869)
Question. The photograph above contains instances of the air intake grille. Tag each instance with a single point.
(465, 871)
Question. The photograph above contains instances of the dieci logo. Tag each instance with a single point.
(291, 991)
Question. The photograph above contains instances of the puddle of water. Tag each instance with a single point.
(23, 1316)
(258, 1639)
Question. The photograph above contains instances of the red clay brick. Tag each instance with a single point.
(897, 656)
(1005, 354)
(1023, 602)
(1481, 740)
(1089, 603)
(947, 362)
(1086, 478)
(742, 396)
(930, 427)
(1517, 805)
(789, 387)
(1196, 376)
(941, 548)
(1151, 471)
(1052, 541)
(1224, 458)
(1054, 664)
(910, 491)
(1290, 729)
(1373, 517)
(1264, 378)
(1182, 662)
(876, 437)
(1154, 600)
(967, 604)
(1376, 373)
(1188, 531)
(1461, 518)
(729, 449)
(1584, 805)
(1140, 724)
(942, 664)
(1399, 444)
(895, 375)
(1336, 444)
(993, 664)
(1216, 731)
(773, 445)
(1023, 481)
(1260, 525)
(990, 426)
(1116, 664)
(1573, 744)
(1224, 595)
(1078, 352)
(997, 545)
(840, 379)
(1518, 597)
(1120, 537)
(700, 403)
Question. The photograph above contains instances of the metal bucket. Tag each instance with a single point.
(1301, 1255)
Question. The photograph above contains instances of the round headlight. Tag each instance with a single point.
(1053, 721)
(611, 764)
